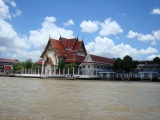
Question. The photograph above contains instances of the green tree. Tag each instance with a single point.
(127, 63)
(70, 66)
(134, 64)
(61, 64)
(17, 66)
(28, 64)
(156, 60)
(117, 64)
(35, 66)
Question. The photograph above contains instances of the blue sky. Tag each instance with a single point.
(109, 28)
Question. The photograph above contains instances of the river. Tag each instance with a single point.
(49, 99)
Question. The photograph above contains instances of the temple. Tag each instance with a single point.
(71, 50)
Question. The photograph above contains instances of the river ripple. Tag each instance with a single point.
(48, 99)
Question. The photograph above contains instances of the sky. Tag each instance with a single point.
(109, 28)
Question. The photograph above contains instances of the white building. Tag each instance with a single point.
(94, 64)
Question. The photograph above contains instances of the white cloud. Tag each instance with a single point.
(132, 34)
(152, 56)
(122, 14)
(39, 37)
(110, 27)
(153, 43)
(2, 48)
(18, 13)
(24, 55)
(106, 47)
(11, 2)
(156, 35)
(156, 11)
(4, 11)
(148, 37)
(11, 41)
(107, 28)
(89, 26)
(68, 23)
(149, 50)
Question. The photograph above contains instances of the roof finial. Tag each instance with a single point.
(49, 36)
(77, 35)
(59, 36)
(83, 38)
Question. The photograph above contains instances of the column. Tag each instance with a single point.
(78, 71)
(73, 71)
(38, 71)
(68, 71)
(59, 71)
(54, 70)
(63, 71)
(42, 67)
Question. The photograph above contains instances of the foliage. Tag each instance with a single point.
(127, 63)
(35, 66)
(120, 71)
(71, 66)
(134, 64)
(61, 64)
(17, 66)
(117, 64)
(156, 60)
(28, 64)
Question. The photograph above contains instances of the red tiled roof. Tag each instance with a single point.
(102, 59)
(57, 44)
(39, 62)
(66, 47)
(75, 58)
(68, 43)
(77, 45)
(9, 60)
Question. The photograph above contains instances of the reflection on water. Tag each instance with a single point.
(48, 99)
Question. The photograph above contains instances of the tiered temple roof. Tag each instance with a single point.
(68, 49)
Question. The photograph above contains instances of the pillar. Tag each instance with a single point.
(54, 70)
(78, 71)
(73, 71)
(38, 71)
(59, 71)
(68, 71)
(63, 71)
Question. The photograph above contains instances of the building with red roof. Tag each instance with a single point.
(94, 64)
(71, 50)
(6, 64)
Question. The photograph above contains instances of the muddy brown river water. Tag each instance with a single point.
(49, 99)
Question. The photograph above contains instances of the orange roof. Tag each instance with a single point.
(57, 44)
(77, 45)
(39, 62)
(100, 59)
(75, 58)
(66, 47)
(68, 43)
